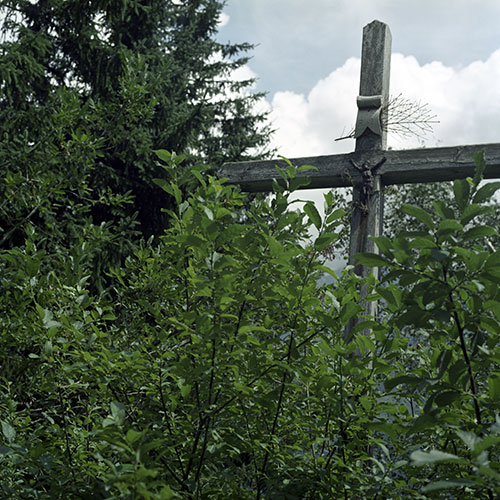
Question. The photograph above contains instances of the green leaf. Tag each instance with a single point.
(384, 244)
(449, 226)
(480, 232)
(411, 380)
(421, 242)
(445, 398)
(221, 212)
(307, 168)
(494, 306)
(388, 296)
(163, 184)
(443, 361)
(185, 390)
(371, 260)
(329, 199)
(163, 155)
(444, 485)
(484, 193)
(299, 182)
(349, 310)
(251, 328)
(208, 213)
(47, 348)
(423, 422)
(418, 213)
(313, 214)
(118, 412)
(420, 458)
(324, 240)
(327, 348)
(490, 324)
(484, 470)
(443, 210)
(132, 436)
(413, 316)
(469, 438)
(365, 343)
(473, 210)
(486, 443)
(291, 171)
(326, 382)
(282, 174)
(194, 241)
(32, 266)
(294, 352)
(166, 493)
(440, 255)
(480, 167)
(8, 431)
(366, 324)
(328, 270)
(199, 177)
(171, 188)
(493, 261)
(47, 316)
(461, 188)
(494, 387)
(335, 215)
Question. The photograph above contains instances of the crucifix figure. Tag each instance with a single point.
(371, 166)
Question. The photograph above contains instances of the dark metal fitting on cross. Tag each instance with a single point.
(369, 108)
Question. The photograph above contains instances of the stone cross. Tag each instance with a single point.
(371, 166)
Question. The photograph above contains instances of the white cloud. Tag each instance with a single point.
(308, 125)
(466, 101)
(223, 19)
(243, 73)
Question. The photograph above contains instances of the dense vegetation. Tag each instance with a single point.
(219, 370)
(163, 335)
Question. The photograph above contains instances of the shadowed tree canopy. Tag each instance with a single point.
(90, 88)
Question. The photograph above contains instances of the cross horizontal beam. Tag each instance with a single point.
(400, 167)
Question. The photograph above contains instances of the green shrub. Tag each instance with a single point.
(219, 369)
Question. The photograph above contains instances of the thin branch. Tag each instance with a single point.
(66, 435)
(463, 346)
(165, 417)
(18, 225)
(408, 118)
(404, 117)
(285, 372)
(201, 423)
(472, 380)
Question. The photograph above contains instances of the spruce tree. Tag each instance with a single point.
(90, 88)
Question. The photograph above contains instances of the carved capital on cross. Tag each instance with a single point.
(369, 115)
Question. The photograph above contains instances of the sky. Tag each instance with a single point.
(446, 54)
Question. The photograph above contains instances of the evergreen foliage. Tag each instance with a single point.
(89, 88)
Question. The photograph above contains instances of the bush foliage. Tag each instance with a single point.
(215, 366)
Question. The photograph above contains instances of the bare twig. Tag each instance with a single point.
(403, 117)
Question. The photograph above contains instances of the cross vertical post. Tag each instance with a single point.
(371, 138)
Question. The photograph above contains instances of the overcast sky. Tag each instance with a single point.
(446, 53)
